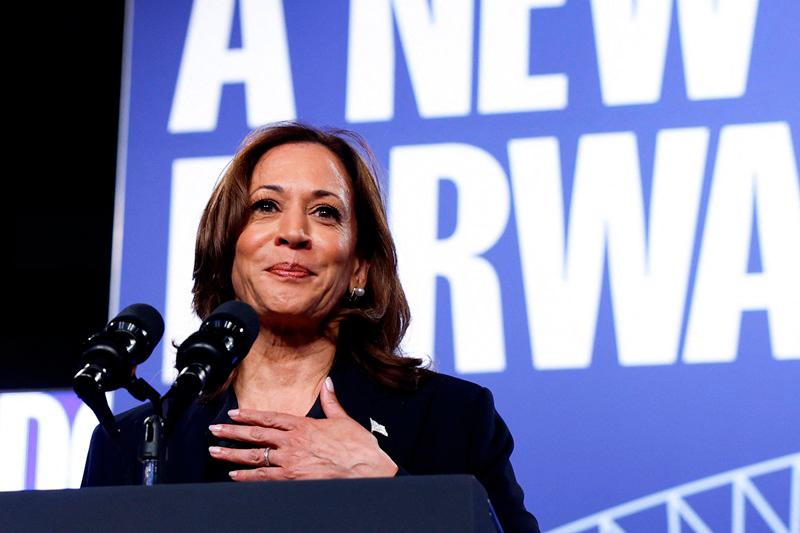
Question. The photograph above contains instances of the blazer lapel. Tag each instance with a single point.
(382, 411)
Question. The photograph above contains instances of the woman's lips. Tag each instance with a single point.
(290, 270)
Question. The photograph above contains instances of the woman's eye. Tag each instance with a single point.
(327, 211)
(264, 206)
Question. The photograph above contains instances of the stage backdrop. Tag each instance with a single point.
(596, 210)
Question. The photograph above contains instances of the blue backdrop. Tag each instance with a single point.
(609, 189)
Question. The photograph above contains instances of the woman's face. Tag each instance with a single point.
(295, 258)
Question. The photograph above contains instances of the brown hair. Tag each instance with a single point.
(369, 329)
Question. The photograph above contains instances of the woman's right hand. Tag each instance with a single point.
(300, 447)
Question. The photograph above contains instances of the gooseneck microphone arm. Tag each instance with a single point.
(208, 356)
(109, 359)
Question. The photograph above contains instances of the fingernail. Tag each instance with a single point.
(214, 428)
(233, 412)
(214, 449)
(329, 383)
(233, 474)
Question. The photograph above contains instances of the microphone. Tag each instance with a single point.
(109, 359)
(208, 356)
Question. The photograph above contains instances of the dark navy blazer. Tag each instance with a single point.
(447, 426)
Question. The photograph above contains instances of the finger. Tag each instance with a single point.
(270, 419)
(282, 473)
(250, 456)
(259, 474)
(254, 434)
(330, 404)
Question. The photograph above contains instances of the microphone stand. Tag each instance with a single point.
(167, 410)
(152, 449)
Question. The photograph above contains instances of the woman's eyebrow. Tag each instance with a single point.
(276, 188)
(318, 193)
(321, 193)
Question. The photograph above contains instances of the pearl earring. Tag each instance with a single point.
(356, 293)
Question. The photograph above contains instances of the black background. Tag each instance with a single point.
(61, 182)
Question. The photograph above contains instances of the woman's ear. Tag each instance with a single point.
(360, 274)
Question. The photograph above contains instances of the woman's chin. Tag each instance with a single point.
(289, 318)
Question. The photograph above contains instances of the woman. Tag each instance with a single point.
(297, 229)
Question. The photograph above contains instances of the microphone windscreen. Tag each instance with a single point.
(146, 317)
(239, 313)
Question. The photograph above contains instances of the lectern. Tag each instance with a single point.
(407, 503)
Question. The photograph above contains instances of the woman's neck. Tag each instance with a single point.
(283, 372)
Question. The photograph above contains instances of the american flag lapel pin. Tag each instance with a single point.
(377, 428)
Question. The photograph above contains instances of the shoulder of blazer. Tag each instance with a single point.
(360, 394)
(112, 460)
(440, 412)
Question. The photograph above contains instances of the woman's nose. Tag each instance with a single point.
(292, 231)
